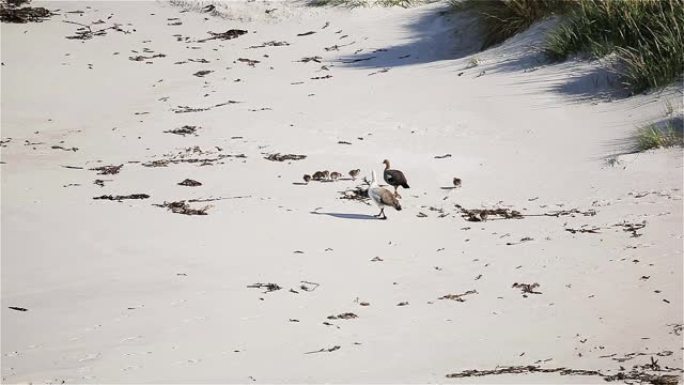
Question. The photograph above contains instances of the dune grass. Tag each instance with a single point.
(363, 3)
(658, 136)
(647, 36)
(502, 19)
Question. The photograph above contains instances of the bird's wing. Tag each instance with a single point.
(386, 197)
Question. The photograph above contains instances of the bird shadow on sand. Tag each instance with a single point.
(347, 216)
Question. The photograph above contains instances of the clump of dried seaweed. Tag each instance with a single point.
(181, 207)
(479, 215)
(278, 157)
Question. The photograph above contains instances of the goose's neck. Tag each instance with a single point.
(387, 165)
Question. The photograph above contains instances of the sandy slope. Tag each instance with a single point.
(129, 292)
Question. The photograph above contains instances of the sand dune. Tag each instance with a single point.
(127, 290)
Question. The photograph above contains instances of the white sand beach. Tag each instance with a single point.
(129, 292)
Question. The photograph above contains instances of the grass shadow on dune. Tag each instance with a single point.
(436, 34)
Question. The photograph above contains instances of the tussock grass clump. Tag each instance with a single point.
(363, 3)
(658, 136)
(646, 35)
(502, 19)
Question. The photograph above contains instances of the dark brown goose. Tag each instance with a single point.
(394, 178)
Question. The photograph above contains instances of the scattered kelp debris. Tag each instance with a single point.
(527, 288)
(278, 157)
(184, 109)
(358, 60)
(193, 155)
(632, 227)
(228, 35)
(479, 215)
(143, 58)
(85, 31)
(358, 193)
(343, 316)
(190, 182)
(250, 62)
(108, 170)
(11, 13)
(321, 77)
(458, 297)
(122, 197)
(523, 369)
(17, 308)
(306, 33)
(181, 207)
(307, 59)
(185, 130)
(271, 43)
(100, 182)
(329, 350)
(571, 212)
(268, 286)
(200, 60)
(309, 286)
(57, 147)
(201, 74)
(593, 230)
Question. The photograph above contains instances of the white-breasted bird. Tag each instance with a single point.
(382, 197)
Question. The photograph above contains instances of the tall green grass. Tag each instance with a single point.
(363, 3)
(502, 19)
(647, 37)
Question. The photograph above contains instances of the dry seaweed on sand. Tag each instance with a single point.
(527, 288)
(181, 207)
(108, 170)
(307, 59)
(190, 182)
(57, 147)
(594, 230)
(329, 350)
(358, 193)
(193, 155)
(633, 375)
(143, 58)
(185, 130)
(523, 369)
(343, 316)
(632, 227)
(272, 43)
(183, 109)
(479, 215)
(458, 297)
(122, 197)
(250, 62)
(306, 33)
(268, 286)
(278, 157)
(11, 13)
(202, 73)
(228, 35)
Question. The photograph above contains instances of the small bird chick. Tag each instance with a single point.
(335, 175)
(307, 178)
(354, 173)
(318, 175)
(326, 174)
(457, 182)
